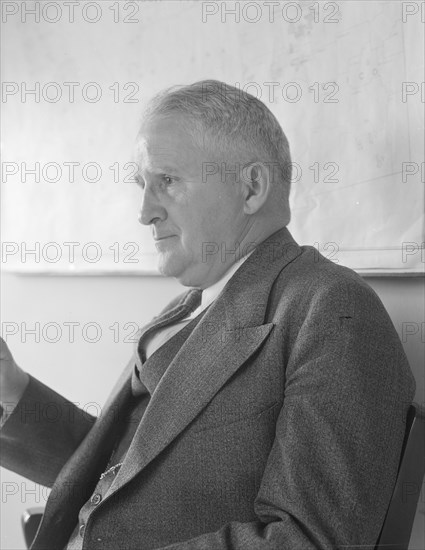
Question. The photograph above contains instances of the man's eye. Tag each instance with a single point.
(168, 179)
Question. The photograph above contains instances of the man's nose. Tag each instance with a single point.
(151, 210)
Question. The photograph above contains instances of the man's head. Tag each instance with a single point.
(214, 166)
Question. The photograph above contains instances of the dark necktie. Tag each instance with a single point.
(192, 300)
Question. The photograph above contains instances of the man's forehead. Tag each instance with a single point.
(160, 155)
(167, 144)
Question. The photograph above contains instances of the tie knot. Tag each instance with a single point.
(193, 299)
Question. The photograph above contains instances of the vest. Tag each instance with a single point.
(153, 370)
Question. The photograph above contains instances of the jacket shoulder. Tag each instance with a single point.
(311, 279)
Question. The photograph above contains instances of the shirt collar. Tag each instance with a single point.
(210, 293)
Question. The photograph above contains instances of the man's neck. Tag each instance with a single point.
(236, 255)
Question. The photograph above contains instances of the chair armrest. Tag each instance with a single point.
(31, 520)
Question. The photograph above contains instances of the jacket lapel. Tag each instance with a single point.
(229, 333)
(190, 382)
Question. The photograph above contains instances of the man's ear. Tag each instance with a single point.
(256, 186)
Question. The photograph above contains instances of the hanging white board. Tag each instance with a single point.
(343, 78)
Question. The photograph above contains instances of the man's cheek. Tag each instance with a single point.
(180, 196)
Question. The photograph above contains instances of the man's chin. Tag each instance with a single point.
(169, 266)
(178, 269)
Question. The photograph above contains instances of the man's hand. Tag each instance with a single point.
(13, 380)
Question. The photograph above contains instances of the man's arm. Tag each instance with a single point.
(333, 464)
(41, 429)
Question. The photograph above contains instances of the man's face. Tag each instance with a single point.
(190, 213)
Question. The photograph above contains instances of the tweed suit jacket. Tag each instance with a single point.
(278, 424)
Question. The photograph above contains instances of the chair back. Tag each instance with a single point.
(397, 528)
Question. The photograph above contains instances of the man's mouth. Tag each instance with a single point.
(156, 239)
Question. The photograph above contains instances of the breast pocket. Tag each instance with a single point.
(224, 415)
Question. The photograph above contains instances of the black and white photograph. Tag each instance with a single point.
(212, 275)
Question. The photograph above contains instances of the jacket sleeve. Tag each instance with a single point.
(333, 464)
(41, 433)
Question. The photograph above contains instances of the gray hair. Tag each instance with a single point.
(229, 120)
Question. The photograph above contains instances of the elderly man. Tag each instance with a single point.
(264, 407)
